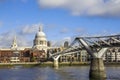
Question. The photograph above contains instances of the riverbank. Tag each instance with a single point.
(44, 64)
(112, 64)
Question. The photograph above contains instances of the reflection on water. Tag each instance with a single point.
(113, 73)
(48, 73)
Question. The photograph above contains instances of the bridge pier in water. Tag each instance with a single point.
(97, 69)
(55, 62)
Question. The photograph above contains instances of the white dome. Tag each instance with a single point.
(40, 41)
(40, 34)
(41, 38)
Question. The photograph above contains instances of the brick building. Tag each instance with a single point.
(10, 56)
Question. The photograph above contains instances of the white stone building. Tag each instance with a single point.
(40, 41)
(112, 55)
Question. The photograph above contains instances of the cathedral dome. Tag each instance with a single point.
(40, 41)
(40, 33)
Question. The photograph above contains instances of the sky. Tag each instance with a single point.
(61, 19)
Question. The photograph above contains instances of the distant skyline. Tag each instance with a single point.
(61, 19)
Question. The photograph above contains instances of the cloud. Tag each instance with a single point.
(30, 29)
(7, 38)
(64, 30)
(51, 26)
(85, 7)
(61, 42)
(79, 30)
(24, 36)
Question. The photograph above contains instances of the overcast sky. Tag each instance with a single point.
(61, 19)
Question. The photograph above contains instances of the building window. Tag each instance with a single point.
(41, 42)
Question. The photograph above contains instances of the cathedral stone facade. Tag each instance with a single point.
(39, 49)
(40, 41)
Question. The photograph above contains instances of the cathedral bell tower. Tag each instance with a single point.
(14, 44)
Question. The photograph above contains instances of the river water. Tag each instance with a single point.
(49, 73)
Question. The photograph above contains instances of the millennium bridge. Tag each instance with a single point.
(95, 47)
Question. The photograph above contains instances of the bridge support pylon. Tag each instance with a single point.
(97, 70)
(55, 62)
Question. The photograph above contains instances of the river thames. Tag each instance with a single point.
(49, 73)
